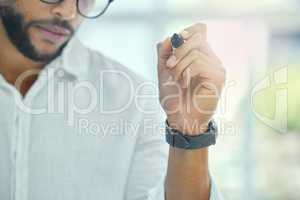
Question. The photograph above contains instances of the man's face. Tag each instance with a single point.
(40, 31)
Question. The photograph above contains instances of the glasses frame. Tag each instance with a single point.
(78, 10)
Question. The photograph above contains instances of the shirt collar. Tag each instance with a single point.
(73, 60)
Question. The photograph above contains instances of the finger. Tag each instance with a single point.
(164, 48)
(205, 71)
(189, 74)
(193, 43)
(164, 51)
(197, 28)
(185, 35)
(186, 61)
(186, 78)
(194, 69)
(189, 32)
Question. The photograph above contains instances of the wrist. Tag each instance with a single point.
(188, 126)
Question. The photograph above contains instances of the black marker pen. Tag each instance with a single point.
(177, 40)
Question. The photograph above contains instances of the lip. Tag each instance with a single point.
(55, 30)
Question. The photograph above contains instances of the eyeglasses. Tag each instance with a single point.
(87, 8)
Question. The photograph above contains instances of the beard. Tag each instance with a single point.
(18, 34)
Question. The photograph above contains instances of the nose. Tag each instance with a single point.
(66, 10)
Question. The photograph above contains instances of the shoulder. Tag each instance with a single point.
(116, 79)
(119, 87)
(103, 66)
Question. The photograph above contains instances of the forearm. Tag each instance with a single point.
(191, 79)
(187, 175)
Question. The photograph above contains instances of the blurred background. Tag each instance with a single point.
(258, 152)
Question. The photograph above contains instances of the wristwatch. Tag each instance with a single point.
(179, 140)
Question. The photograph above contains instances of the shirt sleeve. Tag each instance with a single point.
(149, 163)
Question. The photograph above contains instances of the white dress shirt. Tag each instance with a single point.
(88, 129)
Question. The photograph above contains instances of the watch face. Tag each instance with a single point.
(214, 127)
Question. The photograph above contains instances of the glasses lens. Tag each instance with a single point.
(92, 8)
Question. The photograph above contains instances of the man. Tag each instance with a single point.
(63, 107)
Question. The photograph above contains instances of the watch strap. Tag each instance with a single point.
(176, 139)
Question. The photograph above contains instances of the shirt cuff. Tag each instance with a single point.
(158, 193)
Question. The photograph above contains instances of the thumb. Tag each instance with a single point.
(164, 50)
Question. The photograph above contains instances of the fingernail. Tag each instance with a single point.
(184, 34)
(171, 62)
